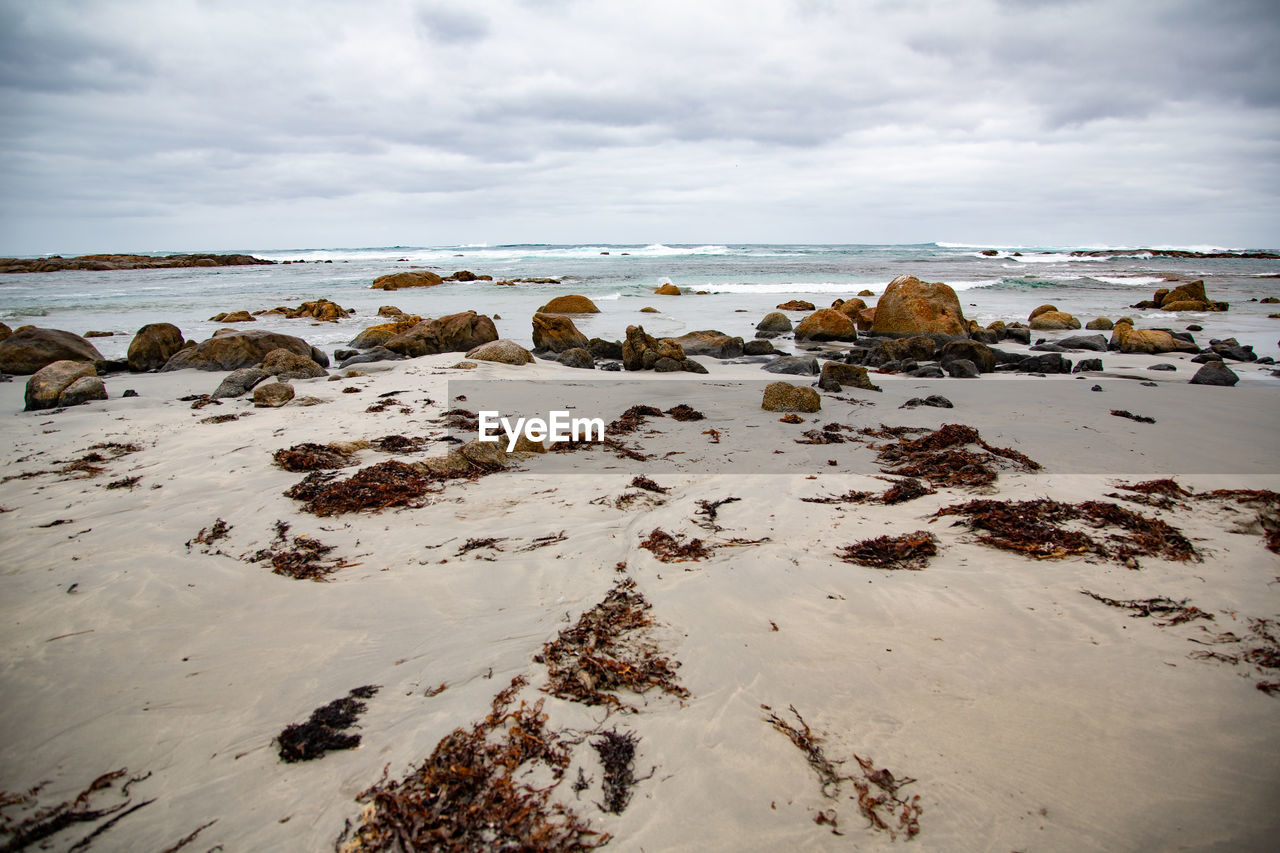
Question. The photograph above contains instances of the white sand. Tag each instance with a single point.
(1032, 716)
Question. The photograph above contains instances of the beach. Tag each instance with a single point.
(1026, 695)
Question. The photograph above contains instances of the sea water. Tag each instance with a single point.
(728, 288)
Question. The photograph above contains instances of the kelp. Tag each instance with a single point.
(324, 730)
(942, 457)
(377, 487)
(685, 412)
(906, 489)
(617, 753)
(1125, 413)
(909, 551)
(674, 549)
(305, 558)
(1172, 612)
(309, 456)
(24, 822)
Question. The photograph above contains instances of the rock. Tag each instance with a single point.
(129, 392)
(502, 351)
(849, 307)
(1215, 373)
(866, 292)
(319, 357)
(285, 364)
(775, 322)
(30, 348)
(846, 375)
(611, 366)
(1205, 357)
(1087, 365)
(935, 400)
(272, 395)
(99, 334)
(600, 348)
(961, 368)
(975, 352)
(1049, 362)
(1231, 348)
(234, 349)
(1269, 300)
(1096, 388)
(1194, 328)
(46, 385)
(389, 311)
(234, 317)
(1188, 297)
(1092, 343)
(797, 365)
(1127, 339)
(785, 397)
(577, 357)
(153, 345)
(322, 310)
(691, 366)
(649, 309)
(465, 365)
(758, 348)
(376, 336)
(369, 356)
(1043, 309)
(83, 390)
(239, 382)
(641, 351)
(1018, 334)
(467, 275)
(796, 305)
(827, 324)
(918, 347)
(668, 289)
(1046, 347)
(1054, 320)
(1162, 366)
(556, 333)
(710, 342)
(570, 305)
(985, 336)
(910, 306)
(400, 280)
(5, 331)
(667, 365)
(451, 333)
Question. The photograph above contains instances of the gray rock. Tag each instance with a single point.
(798, 365)
(129, 392)
(667, 365)
(1163, 366)
(1092, 343)
(369, 356)
(1205, 357)
(319, 357)
(928, 371)
(45, 387)
(83, 390)
(935, 400)
(961, 368)
(611, 366)
(1049, 362)
(1088, 364)
(600, 348)
(239, 382)
(774, 323)
(691, 366)
(758, 347)
(1016, 333)
(1215, 373)
(577, 357)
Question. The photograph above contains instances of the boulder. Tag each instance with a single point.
(235, 349)
(796, 365)
(502, 351)
(1101, 324)
(239, 382)
(961, 368)
(849, 307)
(918, 347)
(272, 395)
(979, 354)
(910, 306)
(1043, 309)
(600, 348)
(556, 333)
(153, 345)
(1231, 348)
(865, 320)
(578, 358)
(376, 336)
(47, 385)
(5, 331)
(467, 275)
(926, 371)
(775, 322)
(389, 311)
(1186, 297)
(1087, 364)
(451, 333)
(827, 324)
(1019, 334)
(1054, 320)
(1215, 373)
(845, 375)
(285, 364)
(710, 342)
(30, 348)
(1049, 362)
(758, 348)
(785, 397)
(234, 317)
(641, 351)
(400, 280)
(570, 305)
(323, 310)
(1093, 343)
(369, 356)
(796, 305)
(1125, 338)
(668, 289)
(83, 390)
(649, 309)
(985, 336)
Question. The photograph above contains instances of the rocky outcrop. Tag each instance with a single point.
(915, 348)
(321, 310)
(556, 333)
(48, 386)
(30, 348)
(285, 364)
(710, 342)
(230, 350)
(668, 289)
(796, 305)
(828, 324)
(376, 336)
(1185, 297)
(401, 280)
(467, 275)
(57, 263)
(910, 306)
(233, 317)
(451, 333)
(785, 397)
(571, 304)
(578, 358)
(1125, 338)
(153, 345)
(642, 351)
(502, 351)
(272, 395)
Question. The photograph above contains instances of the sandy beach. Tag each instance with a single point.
(1027, 714)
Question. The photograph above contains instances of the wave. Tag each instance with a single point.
(1054, 258)
(1133, 280)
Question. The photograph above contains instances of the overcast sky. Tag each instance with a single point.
(215, 124)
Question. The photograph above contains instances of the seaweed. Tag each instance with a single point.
(648, 485)
(305, 559)
(632, 419)
(792, 418)
(1267, 504)
(713, 434)
(711, 509)
(685, 412)
(211, 534)
(617, 752)
(1124, 413)
(188, 838)
(811, 745)
(606, 650)
(312, 457)
(908, 551)
(44, 822)
(829, 434)
(674, 549)
(1176, 612)
(323, 731)
(544, 541)
(474, 544)
(470, 793)
(377, 487)
(941, 458)
(124, 483)
(399, 444)
(906, 489)
(221, 419)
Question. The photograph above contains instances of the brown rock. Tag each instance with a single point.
(710, 342)
(796, 305)
(642, 351)
(1125, 338)
(389, 311)
(153, 345)
(400, 280)
(30, 348)
(450, 333)
(648, 309)
(775, 321)
(571, 304)
(865, 292)
(849, 307)
(272, 395)
(827, 324)
(1190, 292)
(234, 317)
(668, 289)
(99, 334)
(556, 333)
(1186, 305)
(5, 331)
(502, 351)
(285, 364)
(321, 309)
(785, 397)
(376, 336)
(1041, 310)
(978, 353)
(230, 350)
(1101, 324)
(1054, 320)
(916, 348)
(47, 384)
(846, 375)
(865, 320)
(910, 306)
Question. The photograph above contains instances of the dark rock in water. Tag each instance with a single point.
(1093, 343)
(1047, 347)
(1215, 373)
(239, 382)
(759, 347)
(799, 365)
(1195, 328)
(1018, 334)
(1087, 364)
(600, 348)
(578, 358)
(343, 354)
(611, 366)
(1096, 388)
(1266, 359)
(961, 368)
(935, 400)
(1163, 366)
(1049, 362)
(856, 356)
(930, 371)
(1003, 357)
(319, 357)
(368, 356)
(976, 352)
(129, 392)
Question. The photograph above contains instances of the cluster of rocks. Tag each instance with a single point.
(1184, 297)
(423, 278)
(413, 336)
(57, 263)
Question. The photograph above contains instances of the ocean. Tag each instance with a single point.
(741, 284)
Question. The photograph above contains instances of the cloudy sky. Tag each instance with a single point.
(136, 125)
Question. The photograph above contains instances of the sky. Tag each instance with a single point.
(186, 125)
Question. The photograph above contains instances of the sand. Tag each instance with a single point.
(1031, 716)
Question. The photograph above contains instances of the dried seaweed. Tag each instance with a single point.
(828, 434)
(632, 419)
(941, 458)
(323, 731)
(674, 549)
(221, 419)
(20, 831)
(1176, 612)
(908, 551)
(606, 650)
(685, 412)
(303, 559)
(399, 444)
(312, 457)
(617, 752)
(469, 794)
(377, 487)
(124, 483)
(792, 418)
(544, 541)
(710, 510)
(811, 745)
(1124, 413)
(209, 535)
(188, 838)
(648, 485)
(1267, 504)
(907, 489)
(474, 544)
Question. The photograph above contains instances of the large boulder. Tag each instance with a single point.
(30, 348)
(153, 345)
(849, 307)
(1043, 309)
(915, 348)
(1215, 373)
(502, 351)
(1093, 343)
(836, 374)
(284, 364)
(376, 336)
(642, 351)
(231, 350)
(710, 342)
(84, 390)
(400, 280)
(556, 333)
(571, 304)
(827, 324)
(668, 289)
(1054, 321)
(600, 348)
(978, 353)
(46, 386)
(910, 306)
(774, 323)
(451, 333)
(1101, 324)
(785, 397)
(795, 365)
(1188, 297)
(1125, 338)
(5, 331)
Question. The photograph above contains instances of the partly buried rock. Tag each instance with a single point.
(556, 333)
(1215, 373)
(239, 382)
(710, 342)
(642, 351)
(1088, 365)
(1053, 321)
(577, 357)
(961, 368)
(1125, 338)
(83, 390)
(797, 365)
(774, 323)
(502, 351)
(284, 364)
(910, 306)
(1092, 343)
(153, 345)
(1048, 362)
(837, 375)
(758, 347)
(376, 336)
(1101, 324)
(451, 333)
(600, 348)
(48, 386)
(668, 289)
(572, 304)
(31, 348)
(400, 280)
(230, 350)
(272, 395)
(796, 305)
(828, 324)
(233, 317)
(979, 354)
(785, 397)
(369, 356)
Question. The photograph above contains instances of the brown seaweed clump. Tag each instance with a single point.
(474, 792)
(685, 412)
(617, 753)
(942, 457)
(324, 731)
(303, 559)
(312, 457)
(1038, 529)
(632, 419)
(674, 549)
(24, 822)
(1261, 649)
(1267, 504)
(906, 489)
(1173, 612)
(606, 650)
(908, 551)
(377, 487)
